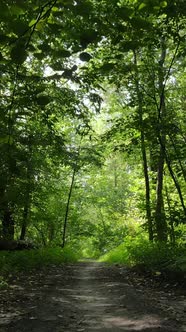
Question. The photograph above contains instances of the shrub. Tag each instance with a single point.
(139, 251)
(27, 260)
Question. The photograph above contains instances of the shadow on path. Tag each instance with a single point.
(82, 297)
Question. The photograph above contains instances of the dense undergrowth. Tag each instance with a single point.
(26, 260)
(150, 256)
(135, 251)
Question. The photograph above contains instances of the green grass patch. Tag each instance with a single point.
(153, 256)
(30, 259)
(3, 283)
(118, 255)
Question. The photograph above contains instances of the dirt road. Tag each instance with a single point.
(88, 297)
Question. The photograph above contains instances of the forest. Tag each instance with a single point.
(93, 132)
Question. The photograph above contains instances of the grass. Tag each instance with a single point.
(13, 262)
(152, 256)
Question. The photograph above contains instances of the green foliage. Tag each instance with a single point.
(89, 249)
(3, 283)
(152, 256)
(12, 262)
(60, 62)
(119, 255)
(18, 54)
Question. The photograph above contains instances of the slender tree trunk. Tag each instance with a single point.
(8, 224)
(67, 208)
(172, 234)
(178, 158)
(144, 154)
(147, 186)
(160, 220)
(177, 185)
(27, 203)
(25, 220)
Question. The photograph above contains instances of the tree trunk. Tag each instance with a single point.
(25, 220)
(67, 208)
(144, 154)
(27, 202)
(177, 185)
(160, 220)
(8, 224)
(172, 233)
(178, 158)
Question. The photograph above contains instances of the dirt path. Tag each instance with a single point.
(88, 297)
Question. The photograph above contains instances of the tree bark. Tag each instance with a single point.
(177, 185)
(8, 224)
(178, 158)
(25, 220)
(160, 219)
(67, 208)
(27, 204)
(172, 233)
(144, 154)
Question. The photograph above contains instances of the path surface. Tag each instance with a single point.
(88, 297)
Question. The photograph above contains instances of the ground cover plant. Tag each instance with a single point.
(11, 263)
(145, 256)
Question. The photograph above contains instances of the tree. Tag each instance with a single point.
(58, 59)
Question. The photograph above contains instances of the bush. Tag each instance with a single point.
(3, 283)
(118, 255)
(27, 260)
(153, 256)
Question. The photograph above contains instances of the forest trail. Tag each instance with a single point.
(88, 297)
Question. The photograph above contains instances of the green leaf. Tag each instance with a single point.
(16, 10)
(142, 6)
(32, 22)
(18, 54)
(55, 9)
(163, 4)
(6, 140)
(156, 8)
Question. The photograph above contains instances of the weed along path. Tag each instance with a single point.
(89, 297)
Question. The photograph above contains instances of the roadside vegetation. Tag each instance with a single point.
(144, 256)
(12, 263)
